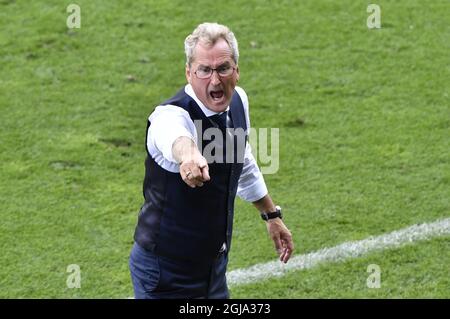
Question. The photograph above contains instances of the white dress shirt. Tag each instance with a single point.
(169, 122)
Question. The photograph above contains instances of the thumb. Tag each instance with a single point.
(205, 169)
(205, 173)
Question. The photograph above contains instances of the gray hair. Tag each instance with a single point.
(209, 33)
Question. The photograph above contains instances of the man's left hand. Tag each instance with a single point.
(281, 237)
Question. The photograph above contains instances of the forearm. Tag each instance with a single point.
(183, 149)
(265, 204)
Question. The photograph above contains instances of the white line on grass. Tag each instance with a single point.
(339, 253)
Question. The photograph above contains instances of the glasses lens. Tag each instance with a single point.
(203, 72)
(225, 71)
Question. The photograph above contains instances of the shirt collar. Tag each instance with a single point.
(190, 91)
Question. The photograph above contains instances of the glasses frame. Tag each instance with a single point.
(218, 74)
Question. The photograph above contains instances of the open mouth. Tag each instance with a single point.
(216, 95)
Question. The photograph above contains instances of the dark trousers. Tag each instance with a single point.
(158, 277)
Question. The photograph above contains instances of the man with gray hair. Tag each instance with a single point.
(184, 228)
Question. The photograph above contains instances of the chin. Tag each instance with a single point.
(222, 107)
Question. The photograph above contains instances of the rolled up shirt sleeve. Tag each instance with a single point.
(167, 124)
(252, 186)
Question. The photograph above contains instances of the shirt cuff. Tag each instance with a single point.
(165, 142)
(254, 191)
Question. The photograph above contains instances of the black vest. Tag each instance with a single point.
(181, 222)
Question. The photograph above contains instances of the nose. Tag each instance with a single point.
(215, 79)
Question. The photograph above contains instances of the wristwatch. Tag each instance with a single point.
(272, 215)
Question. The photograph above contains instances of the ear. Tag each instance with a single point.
(237, 73)
(188, 73)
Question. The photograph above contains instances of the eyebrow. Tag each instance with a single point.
(226, 63)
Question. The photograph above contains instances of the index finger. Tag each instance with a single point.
(287, 251)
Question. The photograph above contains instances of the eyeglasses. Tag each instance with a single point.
(205, 72)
